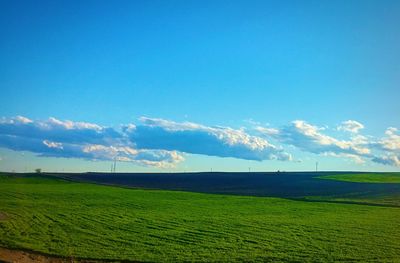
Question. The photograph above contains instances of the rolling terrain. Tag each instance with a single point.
(268, 184)
(59, 217)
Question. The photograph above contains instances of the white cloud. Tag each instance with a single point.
(158, 158)
(53, 144)
(392, 140)
(200, 139)
(23, 119)
(351, 126)
(162, 143)
(68, 139)
(392, 160)
(15, 120)
(59, 131)
(310, 138)
(266, 130)
(70, 125)
(358, 148)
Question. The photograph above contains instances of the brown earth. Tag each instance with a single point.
(3, 216)
(19, 256)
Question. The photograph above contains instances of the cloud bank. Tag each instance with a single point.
(310, 138)
(164, 143)
(199, 139)
(67, 139)
(359, 148)
(153, 142)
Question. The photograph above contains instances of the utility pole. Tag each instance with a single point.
(114, 165)
(316, 167)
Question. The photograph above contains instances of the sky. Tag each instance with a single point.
(198, 85)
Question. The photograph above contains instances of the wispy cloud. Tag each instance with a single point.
(350, 126)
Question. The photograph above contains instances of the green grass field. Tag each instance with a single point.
(103, 222)
(391, 178)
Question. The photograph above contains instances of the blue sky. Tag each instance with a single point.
(226, 85)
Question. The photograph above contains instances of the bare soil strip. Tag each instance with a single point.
(20, 256)
(8, 255)
(3, 216)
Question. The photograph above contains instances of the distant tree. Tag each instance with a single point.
(38, 170)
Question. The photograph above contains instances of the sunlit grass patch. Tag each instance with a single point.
(365, 177)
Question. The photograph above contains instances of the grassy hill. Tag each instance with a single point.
(91, 221)
(387, 178)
